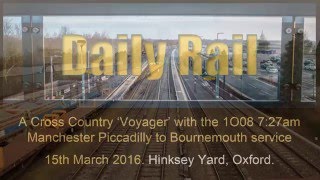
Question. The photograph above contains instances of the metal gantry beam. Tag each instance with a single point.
(292, 53)
(284, 88)
(27, 77)
(32, 49)
(297, 61)
(38, 50)
(183, 8)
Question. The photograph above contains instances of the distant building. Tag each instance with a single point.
(264, 46)
(262, 36)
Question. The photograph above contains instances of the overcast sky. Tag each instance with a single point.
(169, 27)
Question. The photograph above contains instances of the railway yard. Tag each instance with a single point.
(165, 100)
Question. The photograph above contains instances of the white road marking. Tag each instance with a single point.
(252, 85)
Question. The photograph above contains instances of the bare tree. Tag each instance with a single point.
(309, 46)
(18, 30)
(7, 27)
(64, 30)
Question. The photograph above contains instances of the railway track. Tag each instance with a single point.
(152, 171)
(46, 107)
(218, 149)
(299, 164)
(147, 171)
(302, 166)
(109, 149)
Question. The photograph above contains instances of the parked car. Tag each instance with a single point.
(272, 69)
(308, 61)
(265, 64)
(310, 67)
(275, 59)
(265, 61)
(272, 58)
